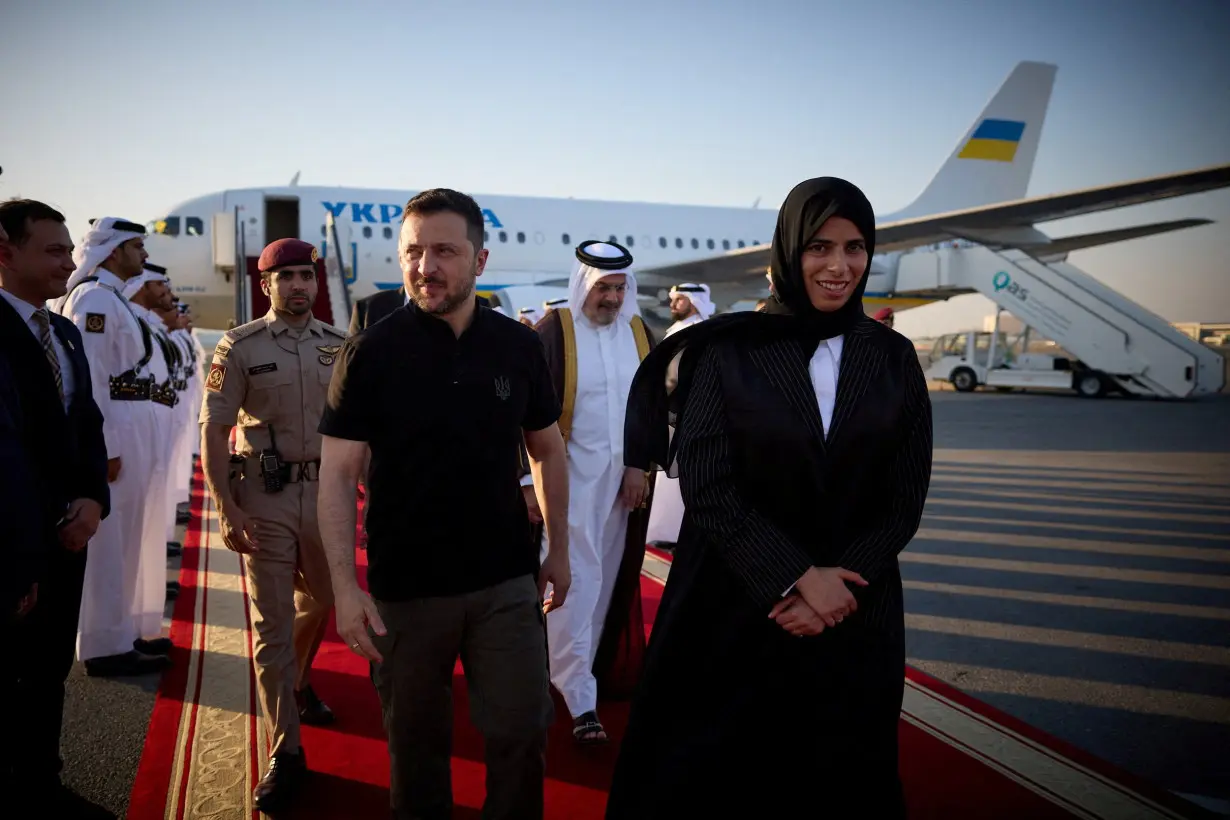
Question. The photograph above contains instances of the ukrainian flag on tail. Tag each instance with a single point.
(995, 140)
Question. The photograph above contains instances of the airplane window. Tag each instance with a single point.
(631, 241)
(167, 227)
(486, 237)
(388, 232)
(742, 244)
(566, 240)
(194, 226)
(367, 232)
(678, 242)
(503, 236)
(710, 243)
(725, 244)
(521, 237)
(322, 231)
(661, 241)
(695, 243)
(612, 238)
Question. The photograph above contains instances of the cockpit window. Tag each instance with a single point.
(167, 226)
(170, 226)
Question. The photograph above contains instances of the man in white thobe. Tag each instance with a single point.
(600, 332)
(119, 352)
(529, 316)
(690, 303)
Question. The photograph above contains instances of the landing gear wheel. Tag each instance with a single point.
(964, 380)
(1089, 385)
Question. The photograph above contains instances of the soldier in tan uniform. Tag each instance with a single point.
(270, 377)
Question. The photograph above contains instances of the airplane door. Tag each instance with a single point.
(281, 218)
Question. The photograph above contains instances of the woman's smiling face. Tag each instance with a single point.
(834, 262)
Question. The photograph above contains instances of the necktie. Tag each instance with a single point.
(49, 350)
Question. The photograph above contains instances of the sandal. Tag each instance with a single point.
(587, 730)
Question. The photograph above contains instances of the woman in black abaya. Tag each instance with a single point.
(774, 673)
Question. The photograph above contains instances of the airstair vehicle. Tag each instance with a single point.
(1116, 345)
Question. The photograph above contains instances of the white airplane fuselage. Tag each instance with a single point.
(531, 241)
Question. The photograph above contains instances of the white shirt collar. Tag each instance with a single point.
(24, 309)
(106, 277)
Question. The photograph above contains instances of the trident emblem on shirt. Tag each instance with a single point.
(502, 388)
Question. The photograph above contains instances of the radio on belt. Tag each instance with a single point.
(271, 465)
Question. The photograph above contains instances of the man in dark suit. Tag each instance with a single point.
(371, 309)
(60, 427)
(19, 532)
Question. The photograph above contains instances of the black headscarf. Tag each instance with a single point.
(789, 313)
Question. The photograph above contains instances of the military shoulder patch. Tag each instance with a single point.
(95, 322)
(221, 351)
(262, 368)
(217, 374)
(335, 331)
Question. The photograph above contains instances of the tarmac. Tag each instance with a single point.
(1072, 569)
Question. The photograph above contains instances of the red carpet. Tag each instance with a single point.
(959, 757)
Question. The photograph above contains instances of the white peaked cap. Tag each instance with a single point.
(586, 274)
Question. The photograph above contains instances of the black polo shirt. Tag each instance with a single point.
(443, 417)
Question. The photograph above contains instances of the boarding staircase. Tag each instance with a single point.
(1133, 349)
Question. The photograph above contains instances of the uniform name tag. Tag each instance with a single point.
(262, 368)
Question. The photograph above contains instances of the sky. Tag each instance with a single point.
(127, 108)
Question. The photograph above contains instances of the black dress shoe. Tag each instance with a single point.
(312, 710)
(172, 590)
(183, 515)
(174, 549)
(158, 646)
(281, 781)
(127, 664)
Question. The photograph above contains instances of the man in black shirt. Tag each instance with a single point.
(441, 392)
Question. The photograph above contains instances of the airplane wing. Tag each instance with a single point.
(1005, 224)
(1064, 245)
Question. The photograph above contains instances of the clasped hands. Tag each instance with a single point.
(820, 599)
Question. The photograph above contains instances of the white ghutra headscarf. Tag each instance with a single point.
(586, 274)
(104, 236)
(698, 295)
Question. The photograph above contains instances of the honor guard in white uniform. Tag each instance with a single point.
(690, 303)
(142, 292)
(188, 388)
(270, 377)
(119, 350)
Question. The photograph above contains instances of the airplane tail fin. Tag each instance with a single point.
(995, 158)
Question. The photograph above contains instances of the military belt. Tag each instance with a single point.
(292, 471)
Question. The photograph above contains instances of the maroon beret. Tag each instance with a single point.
(282, 253)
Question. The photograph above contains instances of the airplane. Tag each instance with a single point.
(978, 197)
